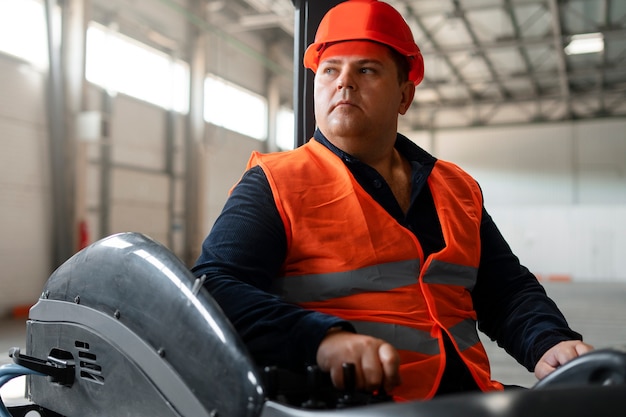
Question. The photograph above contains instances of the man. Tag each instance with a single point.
(360, 247)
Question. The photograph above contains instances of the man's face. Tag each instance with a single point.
(357, 92)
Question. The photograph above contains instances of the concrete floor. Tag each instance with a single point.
(596, 310)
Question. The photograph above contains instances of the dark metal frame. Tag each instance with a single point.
(309, 13)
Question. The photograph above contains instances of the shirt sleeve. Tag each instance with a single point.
(240, 257)
(512, 306)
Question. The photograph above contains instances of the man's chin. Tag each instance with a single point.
(345, 128)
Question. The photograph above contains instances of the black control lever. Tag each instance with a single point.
(314, 384)
(270, 379)
(380, 396)
(60, 371)
(351, 397)
(348, 397)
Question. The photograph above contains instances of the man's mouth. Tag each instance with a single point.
(343, 103)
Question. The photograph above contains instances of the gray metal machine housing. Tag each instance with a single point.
(143, 334)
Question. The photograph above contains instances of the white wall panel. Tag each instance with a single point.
(139, 188)
(566, 163)
(138, 133)
(23, 90)
(139, 203)
(601, 170)
(139, 182)
(584, 243)
(92, 186)
(556, 191)
(227, 60)
(25, 255)
(227, 154)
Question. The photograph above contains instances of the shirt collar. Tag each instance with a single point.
(404, 145)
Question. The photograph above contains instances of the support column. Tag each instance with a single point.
(66, 38)
(273, 106)
(194, 138)
(76, 12)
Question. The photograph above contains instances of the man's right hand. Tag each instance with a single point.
(376, 361)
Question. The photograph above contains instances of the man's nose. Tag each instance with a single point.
(345, 81)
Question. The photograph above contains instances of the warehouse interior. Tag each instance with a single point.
(128, 115)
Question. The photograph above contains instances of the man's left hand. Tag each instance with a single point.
(559, 355)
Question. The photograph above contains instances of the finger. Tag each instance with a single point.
(372, 370)
(543, 369)
(336, 376)
(582, 348)
(565, 355)
(571, 350)
(390, 360)
(559, 354)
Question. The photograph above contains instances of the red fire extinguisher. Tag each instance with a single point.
(83, 235)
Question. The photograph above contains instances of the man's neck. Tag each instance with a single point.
(386, 160)
(377, 153)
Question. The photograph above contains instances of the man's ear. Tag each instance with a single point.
(407, 90)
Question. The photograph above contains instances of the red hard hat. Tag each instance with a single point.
(371, 20)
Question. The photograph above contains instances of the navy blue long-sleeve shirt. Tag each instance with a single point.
(246, 247)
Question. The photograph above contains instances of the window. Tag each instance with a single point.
(23, 31)
(285, 129)
(235, 108)
(121, 64)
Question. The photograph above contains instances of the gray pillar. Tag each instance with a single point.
(194, 137)
(64, 100)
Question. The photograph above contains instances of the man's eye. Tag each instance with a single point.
(367, 70)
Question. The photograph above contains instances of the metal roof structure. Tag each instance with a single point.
(501, 61)
(488, 62)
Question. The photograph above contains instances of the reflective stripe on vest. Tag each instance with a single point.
(401, 337)
(450, 274)
(319, 287)
(408, 338)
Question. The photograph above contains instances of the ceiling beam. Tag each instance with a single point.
(557, 35)
(508, 43)
(586, 95)
(517, 33)
(480, 51)
(455, 72)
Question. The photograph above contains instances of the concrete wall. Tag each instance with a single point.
(25, 199)
(556, 191)
(227, 154)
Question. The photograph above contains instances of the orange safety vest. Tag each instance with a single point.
(346, 256)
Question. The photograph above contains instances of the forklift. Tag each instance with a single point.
(123, 328)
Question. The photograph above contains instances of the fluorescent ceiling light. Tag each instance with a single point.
(586, 43)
